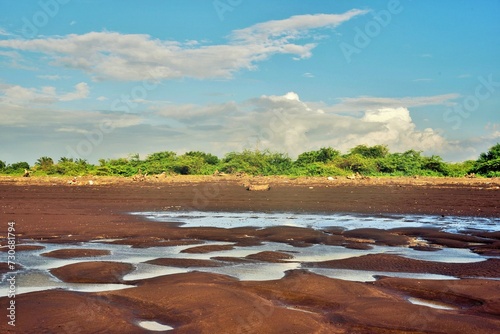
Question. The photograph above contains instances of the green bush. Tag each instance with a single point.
(373, 152)
(256, 162)
(374, 160)
(460, 169)
(207, 157)
(356, 163)
(17, 168)
(317, 169)
(324, 154)
(67, 166)
(435, 166)
(488, 163)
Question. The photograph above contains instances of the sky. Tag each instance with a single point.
(93, 79)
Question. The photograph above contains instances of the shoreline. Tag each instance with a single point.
(64, 214)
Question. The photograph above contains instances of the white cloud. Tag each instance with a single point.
(282, 123)
(361, 103)
(135, 57)
(293, 27)
(81, 92)
(16, 95)
(102, 98)
(50, 77)
(285, 123)
(398, 131)
(72, 129)
(423, 80)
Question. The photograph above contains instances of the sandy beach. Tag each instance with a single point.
(62, 216)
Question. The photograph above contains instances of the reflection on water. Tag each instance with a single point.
(38, 280)
(432, 304)
(154, 326)
(35, 275)
(319, 221)
(370, 276)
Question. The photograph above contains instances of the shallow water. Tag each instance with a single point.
(35, 275)
(431, 304)
(154, 326)
(370, 276)
(39, 280)
(452, 224)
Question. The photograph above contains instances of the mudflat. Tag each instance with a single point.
(56, 211)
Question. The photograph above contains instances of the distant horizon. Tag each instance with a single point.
(81, 79)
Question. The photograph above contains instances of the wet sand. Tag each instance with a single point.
(301, 302)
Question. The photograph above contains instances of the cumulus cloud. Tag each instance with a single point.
(135, 57)
(287, 124)
(281, 123)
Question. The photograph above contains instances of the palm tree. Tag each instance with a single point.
(45, 163)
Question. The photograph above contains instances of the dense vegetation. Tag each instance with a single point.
(366, 160)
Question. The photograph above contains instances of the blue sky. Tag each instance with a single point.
(102, 79)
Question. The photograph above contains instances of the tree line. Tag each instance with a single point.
(366, 160)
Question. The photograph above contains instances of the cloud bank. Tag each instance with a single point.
(135, 57)
(281, 123)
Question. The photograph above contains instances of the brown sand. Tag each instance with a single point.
(54, 211)
(92, 272)
(76, 253)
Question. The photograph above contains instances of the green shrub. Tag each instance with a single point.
(373, 152)
(460, 169)
(17, 168)
(488, 163)
(324, 154)
(356, 163)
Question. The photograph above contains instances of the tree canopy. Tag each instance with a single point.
(326, 161)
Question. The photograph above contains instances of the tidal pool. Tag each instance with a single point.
(35, 272)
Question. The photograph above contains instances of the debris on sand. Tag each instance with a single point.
(258, 187)
(357, 176)
(139, 176)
